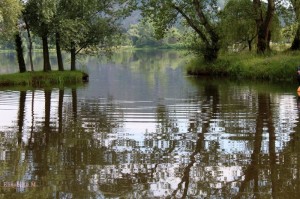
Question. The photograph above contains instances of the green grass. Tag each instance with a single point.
(279, 66)
(42, 79)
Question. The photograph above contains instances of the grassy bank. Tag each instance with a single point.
(275, 67)
(43, 79)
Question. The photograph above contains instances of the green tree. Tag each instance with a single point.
(40, 14)
(91, 25)
(142, 34)
(58, 18)
(199, 15)
(10, 11)
(237, 23)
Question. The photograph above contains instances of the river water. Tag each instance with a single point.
(142, 128)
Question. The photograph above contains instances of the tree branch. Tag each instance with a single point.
(191, 23)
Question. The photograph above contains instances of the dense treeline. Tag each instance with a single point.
(204, 26)
(74, 26)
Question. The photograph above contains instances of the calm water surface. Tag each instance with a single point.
(142, 129)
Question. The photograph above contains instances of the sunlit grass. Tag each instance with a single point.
(42, 79)
(279, 66)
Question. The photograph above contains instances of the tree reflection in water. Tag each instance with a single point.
(217, 141)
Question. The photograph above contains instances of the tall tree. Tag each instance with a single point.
(24, 14)
(91, 25)
(10, 11)
(56, 26)
(199, 15)
(263, 23)
(40, 16)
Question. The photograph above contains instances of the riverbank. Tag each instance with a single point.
(43, 79)
(280, 66)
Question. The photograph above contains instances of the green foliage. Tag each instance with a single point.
(288, 32)
(237, 23)
(274, 67)
(200, 16)
(10, 11)
(90, 24)
(40, 14)
(142, 34)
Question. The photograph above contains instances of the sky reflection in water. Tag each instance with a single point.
(142, 129)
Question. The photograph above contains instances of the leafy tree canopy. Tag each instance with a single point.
(199, 15)
(10, 11)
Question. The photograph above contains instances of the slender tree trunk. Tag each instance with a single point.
(58, 53)
(73, 56)
(47, 66)
(30, 43)
(19, 50)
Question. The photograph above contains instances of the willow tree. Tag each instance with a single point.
(199, 15)
(263, 21)
(10, 11)
(241, 31)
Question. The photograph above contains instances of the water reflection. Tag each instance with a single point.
(124, 136)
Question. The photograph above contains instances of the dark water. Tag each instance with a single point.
(142, 129)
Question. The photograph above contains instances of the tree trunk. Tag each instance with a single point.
(30, 43)
(47, 66)
(73, 57)
(19, 50)
(296, 41)
(263, 24)
(250, 45)
(208, 34)
(58, 53)
(210, 53)
(261, 41)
